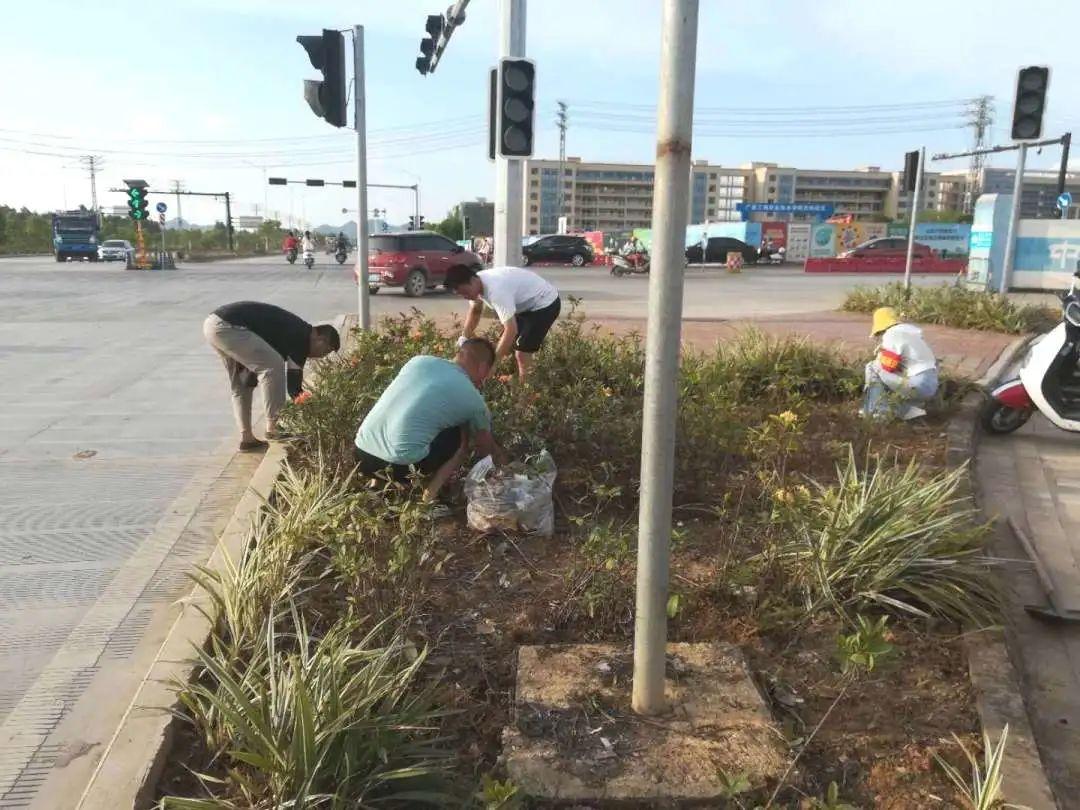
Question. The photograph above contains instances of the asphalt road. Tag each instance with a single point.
(116, 432)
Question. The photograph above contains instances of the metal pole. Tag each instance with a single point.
(671, 201)
(228, 221)
(1066, 142)
(359, 109)
(508, 175)
(916, 197)
(416, 205)
(1014, 221)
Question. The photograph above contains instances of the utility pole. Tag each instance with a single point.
(92, 164)
(228, 221)
(916, 198)
(980, 118)
(1014, 221)
(560, 122)
(177, 188)
(508, 176)
(359, 113)
(671, 202)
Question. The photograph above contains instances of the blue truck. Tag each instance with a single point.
(75, 235)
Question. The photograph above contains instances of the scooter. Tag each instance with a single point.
(309, 259)
(290, 255)
(1049, 379)
(630, 264)
(341, 255)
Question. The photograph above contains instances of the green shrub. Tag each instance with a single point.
(953, 305)
(893, 538)
(585, 399)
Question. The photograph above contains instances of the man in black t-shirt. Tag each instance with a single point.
(267, 345)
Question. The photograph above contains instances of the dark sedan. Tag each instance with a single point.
(718, 248)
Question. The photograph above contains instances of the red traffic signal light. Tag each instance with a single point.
(327, 54)
(515, 112)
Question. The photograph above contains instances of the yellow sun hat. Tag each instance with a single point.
(884, 317)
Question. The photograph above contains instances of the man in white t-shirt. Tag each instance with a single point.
(525, 304)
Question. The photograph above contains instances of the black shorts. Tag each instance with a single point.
(534, 326)
(443, 448)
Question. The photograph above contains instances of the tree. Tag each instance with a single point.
(451, 227)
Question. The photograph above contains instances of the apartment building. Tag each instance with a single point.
(618, 196)
(1038, 197)
(867, 193)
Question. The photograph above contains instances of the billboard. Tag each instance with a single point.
(798, 241)
(775, 232)
(822, 239)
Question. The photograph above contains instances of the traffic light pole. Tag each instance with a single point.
(1014, 222)
(1066, 142)
(916, 196)
(508, 171)
(671, 198)
(360, 112)
(228, 221)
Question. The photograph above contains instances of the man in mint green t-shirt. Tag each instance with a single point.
(426, 416)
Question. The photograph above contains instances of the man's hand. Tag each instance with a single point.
(472, 319)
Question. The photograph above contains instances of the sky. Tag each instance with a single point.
(209, 92)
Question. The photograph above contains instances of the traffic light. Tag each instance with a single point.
(1030, 105)
(516, 108)
(327, 54)
(434, 28)
(911, 169)
(412, 223)
(420, 223)
(137, 204)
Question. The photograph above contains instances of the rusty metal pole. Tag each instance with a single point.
(671, 202)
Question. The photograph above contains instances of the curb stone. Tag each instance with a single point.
(131, 766)
(993, 677)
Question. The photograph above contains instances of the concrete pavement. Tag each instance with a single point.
(1033, 477)
(116, 456)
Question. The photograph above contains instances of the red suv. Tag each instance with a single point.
(416, 261)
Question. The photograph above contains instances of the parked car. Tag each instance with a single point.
(564, 248)
(887, 247)
(416, 261)
(717, 249)
(118, 250)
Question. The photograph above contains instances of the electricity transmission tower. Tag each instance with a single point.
(560, 122)
(980, 116)
(177, 188)
(92, 164)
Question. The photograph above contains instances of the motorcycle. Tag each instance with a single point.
(309, 259)
(341, 255)
(630, 264)
(775, 257)
(1049, 379)
(290, 255)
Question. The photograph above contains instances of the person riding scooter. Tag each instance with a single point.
(634, 251)
(289, 246)
(903, 375)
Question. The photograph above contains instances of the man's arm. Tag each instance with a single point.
(472, 320)
(486, 445)
(506, 342)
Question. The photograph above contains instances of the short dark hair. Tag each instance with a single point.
(459, 275)
(330, 334)
(479, 349)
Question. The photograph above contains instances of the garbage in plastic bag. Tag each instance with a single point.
(516, 497)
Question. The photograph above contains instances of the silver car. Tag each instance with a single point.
(115, 250)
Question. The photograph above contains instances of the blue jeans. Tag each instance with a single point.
(901, 401)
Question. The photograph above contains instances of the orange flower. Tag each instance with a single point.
(302, 397)
(417, 335)
(354, 362)
(505, 378)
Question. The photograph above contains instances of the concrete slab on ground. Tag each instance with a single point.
(575, 737)
(1033, 477)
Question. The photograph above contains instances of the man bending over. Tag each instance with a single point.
(426, 417)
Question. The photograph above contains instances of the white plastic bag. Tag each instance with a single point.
(515, 498)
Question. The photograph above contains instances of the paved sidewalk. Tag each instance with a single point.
(1033, 477)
